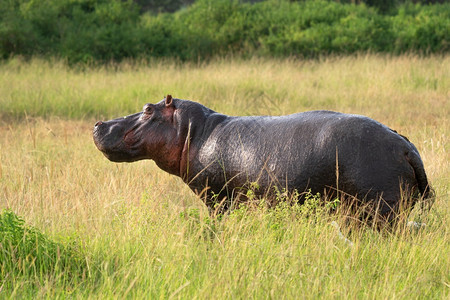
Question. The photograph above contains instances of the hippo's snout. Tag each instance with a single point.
(98, 131)
(112, 138)
(108, 141)
(98, 135)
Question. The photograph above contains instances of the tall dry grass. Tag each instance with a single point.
(142, 233)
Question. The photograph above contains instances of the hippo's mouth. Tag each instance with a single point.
(114, 154)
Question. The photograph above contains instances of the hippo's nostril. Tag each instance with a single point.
(98, 123)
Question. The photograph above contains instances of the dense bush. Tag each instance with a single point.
(101, 30)
(27, 252)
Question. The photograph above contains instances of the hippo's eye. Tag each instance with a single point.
(147, 112)
(148, 109)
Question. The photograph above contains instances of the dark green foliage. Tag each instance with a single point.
(26, 252)
(425, 29)
(100, 30)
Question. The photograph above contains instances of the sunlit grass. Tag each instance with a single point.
(376, 85)
(143, 233)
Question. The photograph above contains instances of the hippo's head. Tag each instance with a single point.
(159, 132)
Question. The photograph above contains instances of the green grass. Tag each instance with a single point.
(131, 230)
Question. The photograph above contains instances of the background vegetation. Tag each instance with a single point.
(95, 229)
(104, 30)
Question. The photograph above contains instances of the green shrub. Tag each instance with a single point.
(27, 252)
(17, 35)
(422, 28)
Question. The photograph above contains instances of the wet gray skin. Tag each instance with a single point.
(218, 156)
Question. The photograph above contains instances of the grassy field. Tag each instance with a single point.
(131, 230)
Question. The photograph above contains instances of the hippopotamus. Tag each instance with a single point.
(220, 157)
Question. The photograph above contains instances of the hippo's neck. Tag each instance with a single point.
(198, 132)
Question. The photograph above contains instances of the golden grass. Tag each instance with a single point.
(127, 216)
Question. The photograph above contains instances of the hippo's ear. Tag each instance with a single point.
(168, 100)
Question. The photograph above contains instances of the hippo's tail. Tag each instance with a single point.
(427, 193)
